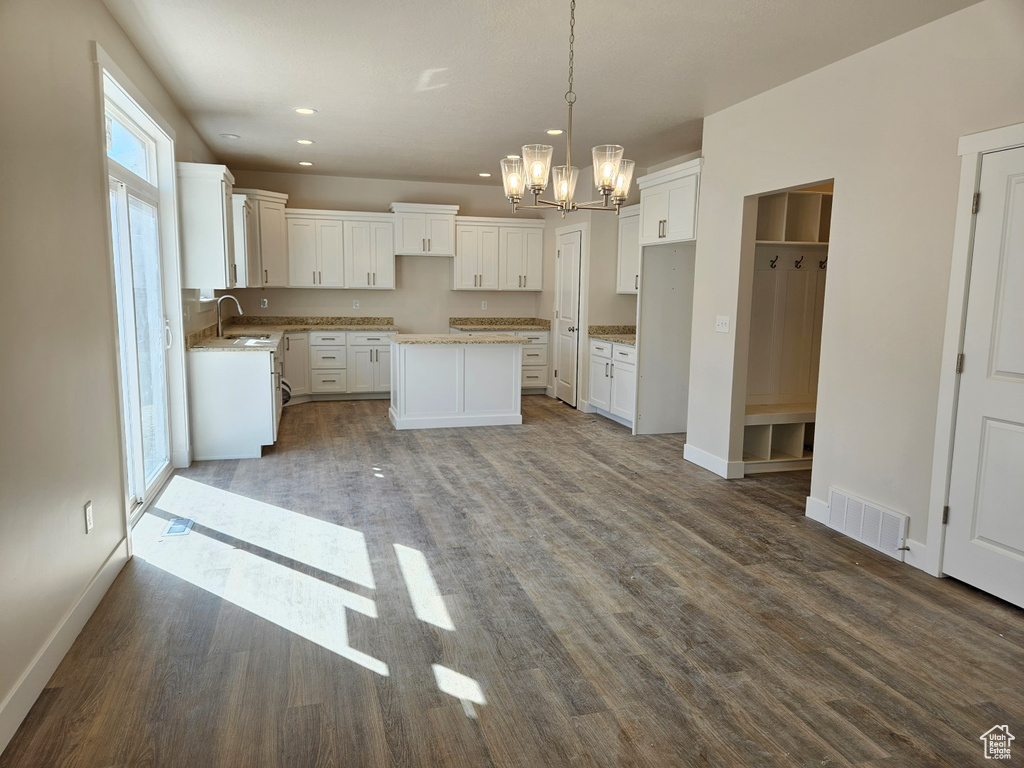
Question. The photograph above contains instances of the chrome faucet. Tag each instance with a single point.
(220, 325)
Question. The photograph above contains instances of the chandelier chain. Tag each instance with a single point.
(570, 95)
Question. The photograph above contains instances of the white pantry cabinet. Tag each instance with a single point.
(628, 280)
(207, 232)
(315, 251)
(296, 362)
(424, 230)
(668, 204)
(476, 258)
(235, 400)
(270, 265)
(370, 253)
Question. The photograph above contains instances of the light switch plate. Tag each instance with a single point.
(722, 324)
(355, 304)
(264, 303)
(483, 305)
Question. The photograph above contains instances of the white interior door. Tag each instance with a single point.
(567, 315)
(985, 537)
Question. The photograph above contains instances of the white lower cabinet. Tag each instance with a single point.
(613, 379)
(535, 359)
(369, 362)
(235, 402)
(328, 362)
(296, 362)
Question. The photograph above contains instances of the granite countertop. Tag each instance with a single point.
(499, 324)
(616, 338)
(225, 344)
(452, 338)
(206, 338)
(617, 334)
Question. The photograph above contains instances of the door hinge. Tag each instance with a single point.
(559, 254)
(945, 515)
(960, 363)
(974, 203)
(556, 373)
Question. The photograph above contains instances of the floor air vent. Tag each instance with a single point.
(879, 528)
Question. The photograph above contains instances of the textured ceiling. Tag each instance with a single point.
(422, 89)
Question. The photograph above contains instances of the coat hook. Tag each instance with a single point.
(772, 262)
(798, 263)
(821, 264)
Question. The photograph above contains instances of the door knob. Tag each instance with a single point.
(571, 329)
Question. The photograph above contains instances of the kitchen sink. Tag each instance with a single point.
(260, 336)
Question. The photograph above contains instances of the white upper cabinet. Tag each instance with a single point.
(315, 252)
(269, 265)
(424, 230)
(498, 254)
(247, 249)
(521, 258)
(628, 280)
(370, 254)
(476, 258)
(668, 204)
(207, 232)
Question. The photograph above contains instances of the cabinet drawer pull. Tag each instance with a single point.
(373, 338)
(329, 357)
(328, 338)
(329, 381)
(624, 354)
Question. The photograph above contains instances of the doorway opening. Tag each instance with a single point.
(784, 344)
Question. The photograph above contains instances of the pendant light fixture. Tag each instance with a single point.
(530, 170)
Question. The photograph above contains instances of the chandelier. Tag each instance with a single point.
(612, 174)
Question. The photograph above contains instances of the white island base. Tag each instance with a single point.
(455, 381)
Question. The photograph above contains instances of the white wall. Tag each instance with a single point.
(59, 410)
(884, 124)
(423, 300)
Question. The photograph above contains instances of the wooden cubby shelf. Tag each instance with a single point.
(778, 437)
(794, 218)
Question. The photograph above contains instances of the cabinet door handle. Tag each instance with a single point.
(428, 243)
(287, 344)
(314, 277)
(636, 282)
(266, 277)
(320, 277)
(374, 278)
(367, 278)
(612, 367)
(424, 244)
(606, 370)
(234, 273)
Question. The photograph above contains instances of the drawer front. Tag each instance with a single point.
(326, 337)
(537, 337)
(370, 339)
(623, 353)
(602, 349)
(327, 357)
(535, 376)
(535, 354)
(326, 382)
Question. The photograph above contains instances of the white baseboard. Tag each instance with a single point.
(817, 510)
(19, 701)
(917, 556)
(730, 470)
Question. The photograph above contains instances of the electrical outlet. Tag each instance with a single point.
(722, 324)
(355, 304)
(88, 517)
(264, 303)
(483, 305)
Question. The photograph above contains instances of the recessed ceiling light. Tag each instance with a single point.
(303, 141)
(484, 175)
(305, 111)
(231, 136)
(555, 131)
(304, 162)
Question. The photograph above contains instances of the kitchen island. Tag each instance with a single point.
(446, 380)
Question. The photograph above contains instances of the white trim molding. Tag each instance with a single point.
(971, 149)
(817, 510)
(730, 470)
(15, 707)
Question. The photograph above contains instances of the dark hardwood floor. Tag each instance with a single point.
(616, 605)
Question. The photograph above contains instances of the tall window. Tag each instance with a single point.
(143, 332)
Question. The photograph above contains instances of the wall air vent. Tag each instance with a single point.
(876, 526)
